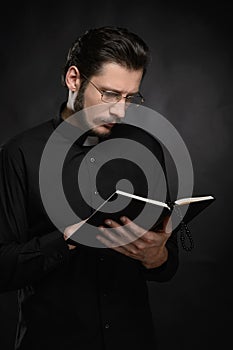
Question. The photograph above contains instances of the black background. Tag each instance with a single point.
(189, 82)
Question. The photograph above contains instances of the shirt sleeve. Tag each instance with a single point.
(167, 270)
(23, 260)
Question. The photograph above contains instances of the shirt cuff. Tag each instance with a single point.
(54, 248)
(166, 271)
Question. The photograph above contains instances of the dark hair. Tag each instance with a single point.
(107, 44)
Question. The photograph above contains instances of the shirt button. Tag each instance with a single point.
(107, 325)
(105, 294)
(92, 159)
(96, 192)
(101, 258)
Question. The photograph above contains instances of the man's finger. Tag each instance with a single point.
(138, 231)
(115, 238)
(112, 241)
(167, 225)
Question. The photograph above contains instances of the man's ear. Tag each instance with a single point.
(73, 81)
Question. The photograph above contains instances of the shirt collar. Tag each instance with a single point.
(70, 131)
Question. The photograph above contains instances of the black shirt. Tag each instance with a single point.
(86, 298)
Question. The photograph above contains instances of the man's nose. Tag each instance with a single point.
(118, 109)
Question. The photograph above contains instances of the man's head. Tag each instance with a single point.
(103, 61)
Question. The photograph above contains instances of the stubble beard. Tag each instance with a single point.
(78, 106)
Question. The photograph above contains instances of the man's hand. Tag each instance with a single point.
(133, 241)
(70, 230)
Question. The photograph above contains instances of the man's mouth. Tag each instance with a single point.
(109, 125)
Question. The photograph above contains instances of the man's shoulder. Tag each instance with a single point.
(36, 135)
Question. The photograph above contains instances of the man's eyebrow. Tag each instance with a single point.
(117, 91)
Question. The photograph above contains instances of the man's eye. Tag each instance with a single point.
(130, 97)
(111, 94)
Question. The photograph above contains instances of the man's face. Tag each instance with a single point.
(116, 78)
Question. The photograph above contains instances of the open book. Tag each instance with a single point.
(169, 206)
(122, 203)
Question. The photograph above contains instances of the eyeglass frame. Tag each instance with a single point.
(117, 93)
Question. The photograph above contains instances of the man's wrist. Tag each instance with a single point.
(160, 258)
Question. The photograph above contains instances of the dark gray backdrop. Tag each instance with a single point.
(189, 82)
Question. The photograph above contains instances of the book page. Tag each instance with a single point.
(184, 201)
(148, 200)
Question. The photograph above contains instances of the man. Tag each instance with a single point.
(77, 296)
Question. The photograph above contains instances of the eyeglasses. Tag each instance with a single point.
(109, 96)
